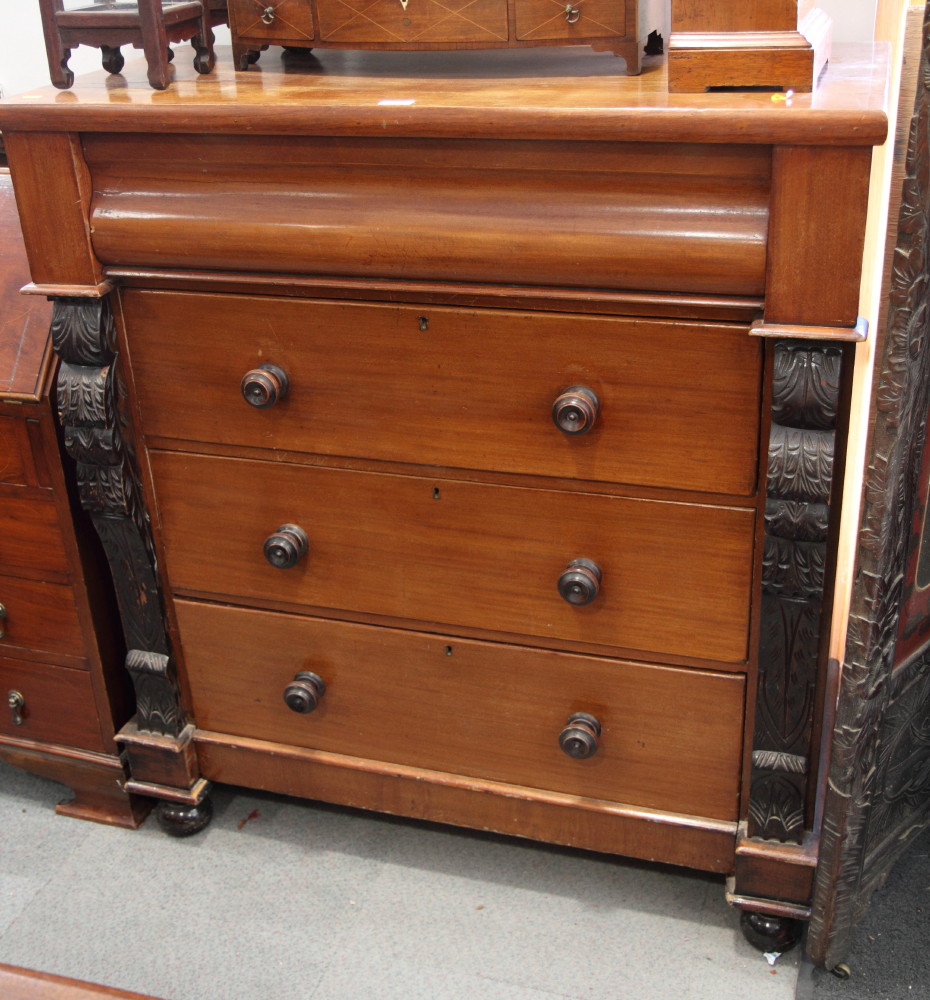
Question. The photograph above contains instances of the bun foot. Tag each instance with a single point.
(180, 819)
(769, 933)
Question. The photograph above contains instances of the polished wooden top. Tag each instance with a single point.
(25, 347)
(529, 93)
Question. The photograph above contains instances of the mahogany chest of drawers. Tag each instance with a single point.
(478, 448)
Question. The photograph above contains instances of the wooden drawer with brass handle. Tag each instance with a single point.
(49, 704)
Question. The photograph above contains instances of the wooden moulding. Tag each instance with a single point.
(96, 779)
(766, 870)
(786, 331)
(790, 59)
(557, 818)
(159, 760)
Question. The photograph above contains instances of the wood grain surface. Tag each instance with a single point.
(671, 739)
(676, 577)
(455, 387)
(535, 94)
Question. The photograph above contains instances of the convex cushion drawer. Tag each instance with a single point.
(670, 739)
(676, 403)
(675, 577)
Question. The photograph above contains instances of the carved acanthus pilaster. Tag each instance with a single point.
(805, 395)
(83, 334)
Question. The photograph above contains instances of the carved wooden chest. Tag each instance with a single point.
(481, 451)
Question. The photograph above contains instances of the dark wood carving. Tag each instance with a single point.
(88, 396)
(805, 395)
(878, 798)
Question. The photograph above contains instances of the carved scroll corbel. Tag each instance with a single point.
(83, 335)
(805, 397)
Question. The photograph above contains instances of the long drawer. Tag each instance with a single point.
(670, 738)
(675, 578)
(677, 402)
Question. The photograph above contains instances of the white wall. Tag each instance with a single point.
(22, 50)
(853, 20)
(23, 65)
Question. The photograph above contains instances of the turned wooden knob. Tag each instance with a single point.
(579, 737)
(286, 547)
(264, 386)
(581, 582)
(304, 692)
(575, 410)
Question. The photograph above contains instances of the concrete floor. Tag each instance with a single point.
(286, 900)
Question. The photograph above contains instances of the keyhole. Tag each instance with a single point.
(423, 322)
(436, 494)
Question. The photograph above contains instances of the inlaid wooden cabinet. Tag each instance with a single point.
(63, 688)
(610, 25)
(476, 459)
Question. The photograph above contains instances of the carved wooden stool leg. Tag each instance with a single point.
(204, 60)
(112, 58)
(58, 55)
(154, 43)
(770, 933)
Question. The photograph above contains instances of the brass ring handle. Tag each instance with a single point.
(286, 546)
(572, 13)
(579, 738)
(580, 582)
(268, 15)
(304, 692)
(264, 386)
(17, 704)
(576, 409)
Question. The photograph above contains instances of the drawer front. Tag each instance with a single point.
(678, 402)
(39, 615)
(548, 214)
(670, 738)
(31, 540)
(58, 704)
(15, 465)
(551, 19)
(421, 21)
(272, 21)
(675, 577)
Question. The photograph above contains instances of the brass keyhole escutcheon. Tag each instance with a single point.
(572, 13)
(16, 703)
(2, 621)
